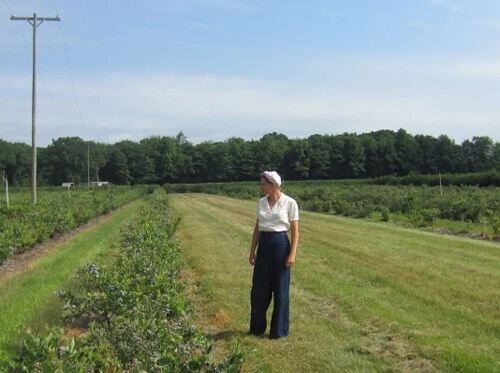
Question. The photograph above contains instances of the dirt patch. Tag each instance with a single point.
(74, 333)
(220, 319)
(23, 262)
(211, 319)
(472, 235)
(393, 347)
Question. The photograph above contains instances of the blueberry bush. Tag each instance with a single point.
(135, 315)
(22, 225)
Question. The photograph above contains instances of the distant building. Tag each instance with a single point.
(99, 183)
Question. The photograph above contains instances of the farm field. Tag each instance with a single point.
(27, 298)
(124, 311)
(461, 210)
(365, 296)
(57, 211)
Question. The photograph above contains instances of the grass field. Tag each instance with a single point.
(365, 296)
(27, 299)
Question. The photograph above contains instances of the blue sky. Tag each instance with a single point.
(214, 69)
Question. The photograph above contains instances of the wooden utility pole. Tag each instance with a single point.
(34, 22)
(88, 165)
(6, 184)
(440, 184)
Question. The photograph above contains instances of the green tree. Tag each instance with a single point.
(478, 154)
(496, 156)
(271, 151)
(352, 164)
(67, 160)
(386, 151)
(170, 163)
(296, 161)
(406, 153)
(445, 154)
(370, 149)
(15, 160)
(212, 161)
(426, 145)
(97, 157)
(116, 167)
(141, 168)
(242, 159)
(319, 157)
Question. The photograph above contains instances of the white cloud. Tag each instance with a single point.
(230, 5)
(450, 5)
(490, 24)
(414, 65)
(212, 107)
(194, 6)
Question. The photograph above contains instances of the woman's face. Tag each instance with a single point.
(265, 186)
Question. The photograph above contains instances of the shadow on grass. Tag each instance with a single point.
(227, 335)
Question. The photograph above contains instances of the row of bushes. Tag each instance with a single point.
(137, 317)
(422, 204)
(456, 203)
(23, 225)
(482, 179)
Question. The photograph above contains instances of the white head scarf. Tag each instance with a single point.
(273, 177)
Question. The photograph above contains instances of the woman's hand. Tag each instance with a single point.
(255, 241)
(251, 258)
(290, 260)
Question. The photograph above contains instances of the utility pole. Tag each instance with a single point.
(88, 165)
(6, 185)
(34, 22)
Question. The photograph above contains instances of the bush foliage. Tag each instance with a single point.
(422, 204)
(22, 225)
(138, 319)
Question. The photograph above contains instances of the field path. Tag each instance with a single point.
(364, 296)
(23, 262)
(28, 282)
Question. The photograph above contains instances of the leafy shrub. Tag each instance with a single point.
(385, 213)
(137, 316)
(482, 179)
(422, 204)
(424, 217)
(56, 212)
(494, 220)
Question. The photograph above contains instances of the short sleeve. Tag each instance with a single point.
(293, 211)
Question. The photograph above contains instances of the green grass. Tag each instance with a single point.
(365, 296)
(28, 300)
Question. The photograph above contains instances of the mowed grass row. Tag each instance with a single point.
(365, 296)
(28, 300)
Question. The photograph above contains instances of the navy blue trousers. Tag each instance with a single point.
(271, 279)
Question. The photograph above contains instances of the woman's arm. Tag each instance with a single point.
(294, 228)
(255, 241)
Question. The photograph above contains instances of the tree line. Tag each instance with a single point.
(173, 159)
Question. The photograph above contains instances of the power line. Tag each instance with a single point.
(66, 56)
(82, 123)
(8, 7)
(77, 101)
(17, 25)
(40, 76)
(55, 6)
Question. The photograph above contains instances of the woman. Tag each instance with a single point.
(277, 214)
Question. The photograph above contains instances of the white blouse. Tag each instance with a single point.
(279, 217)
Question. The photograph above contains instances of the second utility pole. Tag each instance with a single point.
(35, 22)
